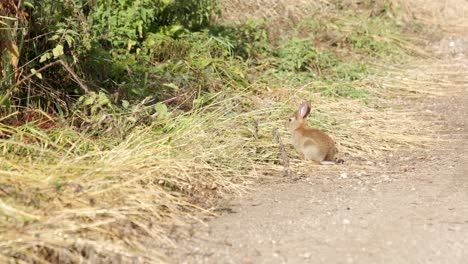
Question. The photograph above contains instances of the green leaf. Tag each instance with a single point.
(28, 4)
(58, 51)
(140, 30)
(37, 74)
(5, 101)
(171, 85)
(44, 57)
(72, 32)
(130, 44)
(125, 104)
(69, 40)
(161, 109)
(167, 2)
(103, 99)
(175, 28)
(54, 37)
(88, 101)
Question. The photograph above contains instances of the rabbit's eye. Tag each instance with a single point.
(291, 119)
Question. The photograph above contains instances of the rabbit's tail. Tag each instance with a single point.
(329, 162)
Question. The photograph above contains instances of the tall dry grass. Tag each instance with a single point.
(104, 205)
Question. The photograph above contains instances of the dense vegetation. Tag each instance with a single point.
(115, 53)
(118, 116)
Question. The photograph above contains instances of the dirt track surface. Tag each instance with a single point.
(419, 214)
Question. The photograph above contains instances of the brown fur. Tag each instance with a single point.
(311, 143)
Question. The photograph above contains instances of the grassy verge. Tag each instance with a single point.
(98, 191)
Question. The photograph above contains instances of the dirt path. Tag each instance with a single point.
(417, 215)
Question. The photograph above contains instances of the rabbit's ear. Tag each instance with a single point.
(304, 109)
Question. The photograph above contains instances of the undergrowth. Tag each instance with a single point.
(172, 113)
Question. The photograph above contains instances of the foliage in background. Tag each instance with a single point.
(125, 24)
(99, 40)
(169, 50)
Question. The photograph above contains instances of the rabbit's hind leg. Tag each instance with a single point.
(312, 152)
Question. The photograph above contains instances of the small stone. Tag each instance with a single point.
(360, 173)
(344, 175)
(346, 222)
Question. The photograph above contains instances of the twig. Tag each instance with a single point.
(43, 68)
(283, 157)
(67, 68)
(73, 74)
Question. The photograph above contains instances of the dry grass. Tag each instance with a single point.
(448, 15)
(110, 202)
(282, 11)
(66, 197)
(281, 16)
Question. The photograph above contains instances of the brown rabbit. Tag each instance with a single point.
(311, 143)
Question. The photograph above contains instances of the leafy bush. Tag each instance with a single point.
(248, 40)
(300, 55)
(126, 23)
(190, 65)
(170, 51)
(96, 41)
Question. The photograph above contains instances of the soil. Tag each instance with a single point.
(417, 214)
